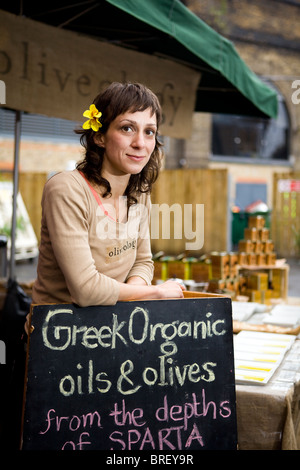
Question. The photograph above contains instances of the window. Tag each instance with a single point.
(242, 138)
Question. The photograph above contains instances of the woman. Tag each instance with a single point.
(95, 245)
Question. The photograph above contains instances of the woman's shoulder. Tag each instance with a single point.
(65, 186)
(64, 180)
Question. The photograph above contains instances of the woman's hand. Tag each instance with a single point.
(170, 289)
(134, 290)
(27, 327)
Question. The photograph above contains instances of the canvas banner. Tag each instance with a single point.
(49, 71)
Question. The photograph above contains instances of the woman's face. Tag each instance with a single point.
(128, 142)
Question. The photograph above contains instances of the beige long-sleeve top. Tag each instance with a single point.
(83, 251)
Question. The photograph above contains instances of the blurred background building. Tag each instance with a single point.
(255, 153)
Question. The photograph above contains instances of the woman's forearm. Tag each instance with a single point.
(134, 291)
(137, 281)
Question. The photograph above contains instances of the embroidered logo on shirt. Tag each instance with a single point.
(116, 251)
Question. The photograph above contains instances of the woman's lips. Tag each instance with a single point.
(137, 158)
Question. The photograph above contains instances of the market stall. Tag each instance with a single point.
(266, 327)
(268, 415)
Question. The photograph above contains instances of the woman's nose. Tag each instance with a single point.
(138, 139)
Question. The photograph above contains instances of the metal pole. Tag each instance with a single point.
(15, 193)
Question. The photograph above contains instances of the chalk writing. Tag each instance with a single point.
(174, 433)
(107, 336)
(137, 376)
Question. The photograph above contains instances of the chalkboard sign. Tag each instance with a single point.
(151, 375)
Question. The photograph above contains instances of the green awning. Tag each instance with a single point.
(168, 29)
(227, 85)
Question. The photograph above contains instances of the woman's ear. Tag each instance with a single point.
(99, 140)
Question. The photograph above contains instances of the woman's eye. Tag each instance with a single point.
(127, 128)
(150, 132)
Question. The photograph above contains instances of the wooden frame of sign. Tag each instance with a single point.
(143, 375)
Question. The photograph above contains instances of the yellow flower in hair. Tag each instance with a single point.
(93, 122)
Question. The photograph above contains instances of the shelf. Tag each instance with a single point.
(279, 280)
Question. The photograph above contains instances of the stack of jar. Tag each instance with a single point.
(256, 249)
(224, 272)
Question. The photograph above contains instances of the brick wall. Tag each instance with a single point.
(39, 156)
(266, 34)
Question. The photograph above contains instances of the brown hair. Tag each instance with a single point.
(118, 99)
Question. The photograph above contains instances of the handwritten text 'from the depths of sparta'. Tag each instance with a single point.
(57, 335)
